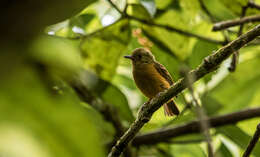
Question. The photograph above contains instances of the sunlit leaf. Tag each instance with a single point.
(109, 93)
(149, 6)
(138, 10)
(56, 123)
(102, 50)
(187, 150)
(241, 86)
(239, 137)
(61, 56)
(220, 11)
(223, 151)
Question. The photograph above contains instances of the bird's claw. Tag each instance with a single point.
(159, 94)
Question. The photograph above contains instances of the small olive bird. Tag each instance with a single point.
(152, 77)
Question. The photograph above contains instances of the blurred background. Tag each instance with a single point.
(66, 90)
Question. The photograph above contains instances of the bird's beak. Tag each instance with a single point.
(129, 57)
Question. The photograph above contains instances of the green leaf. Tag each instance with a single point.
(241, 86)
(105, 129)
(82, 20)
(163, 4)
(74, 27)
(223, 151)
(200, 50)
(139, 11)
(33, 117)
(61, 56)
(211, 105)
(187, 150)
(149, 5)
(103, 50)
(239, 137)
(125, 81)
(220, 11)
(235, 5)
(182, 45)
(109, 93)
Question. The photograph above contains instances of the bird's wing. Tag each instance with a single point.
(163, 72)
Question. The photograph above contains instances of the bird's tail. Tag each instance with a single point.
(171, 109)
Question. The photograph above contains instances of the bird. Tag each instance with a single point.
(151, 77)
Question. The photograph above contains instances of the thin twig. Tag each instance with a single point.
(243, 13)
(176, 30)
(186, 141)
(252, 4)
(212, 19)
(205, 9)
(210, 63)
(202, 117)
(235, 56)
(253, 142)
(192, 127)
(114, 6)
(231, 23)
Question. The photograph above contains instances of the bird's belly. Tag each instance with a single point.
(150, 83)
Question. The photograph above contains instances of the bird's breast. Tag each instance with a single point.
(149, 80)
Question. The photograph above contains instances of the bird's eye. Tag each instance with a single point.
(139, 56)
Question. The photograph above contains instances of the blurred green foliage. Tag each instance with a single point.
(41, 115)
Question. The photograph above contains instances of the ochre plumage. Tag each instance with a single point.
(151, 77)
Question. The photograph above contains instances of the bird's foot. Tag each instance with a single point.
(159, 94)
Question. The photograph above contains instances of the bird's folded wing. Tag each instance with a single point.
(163, 72)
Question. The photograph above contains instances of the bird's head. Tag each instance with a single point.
(141, 56)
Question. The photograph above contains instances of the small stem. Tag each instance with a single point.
(253, 142)
(252, 4)
(235, 56)
(231, 23)
(202, 117)
(114, 6)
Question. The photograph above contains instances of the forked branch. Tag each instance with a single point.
(209, 64)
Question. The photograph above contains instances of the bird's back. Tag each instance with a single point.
(149, 80)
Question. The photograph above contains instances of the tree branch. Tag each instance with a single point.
(253, 142)
(231, 23)
(194, 127)
(235, 57)
(209, 64)
(186, 141)
(252, 4)
(176, 30)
